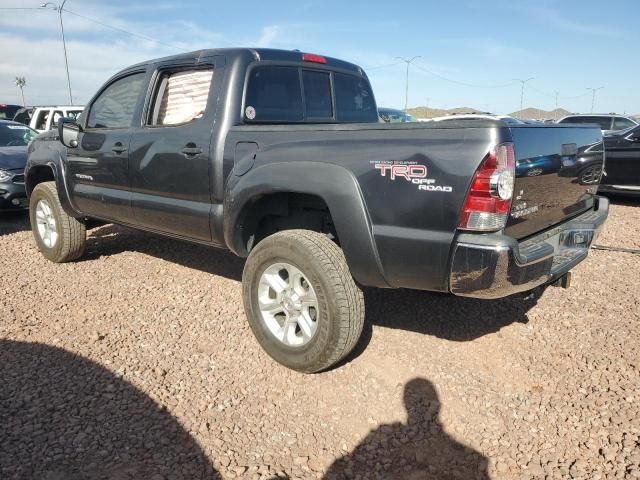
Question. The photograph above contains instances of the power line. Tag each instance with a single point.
(442, 77)
(368, 69)
(144, 37)
(106, 25)
(552, 95)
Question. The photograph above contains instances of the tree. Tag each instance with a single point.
(21, 82)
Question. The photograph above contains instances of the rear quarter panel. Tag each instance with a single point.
(411, 220)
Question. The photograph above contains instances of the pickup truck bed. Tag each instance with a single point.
(278, 157)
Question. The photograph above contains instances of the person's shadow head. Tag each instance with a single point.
(64, 417)
(417, 450)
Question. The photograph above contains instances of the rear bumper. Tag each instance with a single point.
(495, 265)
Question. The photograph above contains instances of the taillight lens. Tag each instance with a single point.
(312, 57)
(488, 201)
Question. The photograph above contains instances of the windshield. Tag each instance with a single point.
(15, 135)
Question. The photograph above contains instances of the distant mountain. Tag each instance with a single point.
(538, 114)
(531, 113)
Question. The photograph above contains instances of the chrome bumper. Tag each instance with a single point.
(494, 265)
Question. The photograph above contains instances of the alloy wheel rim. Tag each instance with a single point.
(46, 223)
(591, 175)
(288, 304)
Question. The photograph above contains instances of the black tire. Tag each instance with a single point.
(72, 234)
(340, 316)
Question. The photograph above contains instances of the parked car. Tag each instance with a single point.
(479, 116)
(8, 111)
(279, 156)
(14, 138)
(46, 118)
(622, 166)
(391, 115)
(608, 122)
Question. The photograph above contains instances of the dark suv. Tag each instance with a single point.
(608, 122)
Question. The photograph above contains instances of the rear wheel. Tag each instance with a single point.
(59, 237)
(300, 299)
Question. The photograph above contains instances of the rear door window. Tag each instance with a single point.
(181, 96)
(274, 95)
(604, 122)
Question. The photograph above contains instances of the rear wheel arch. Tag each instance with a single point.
(324, 187)
(269, 213)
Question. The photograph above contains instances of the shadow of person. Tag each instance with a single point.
(417, 450)
(64, 417)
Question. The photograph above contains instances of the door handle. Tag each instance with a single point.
(119, 148)
(190, 151)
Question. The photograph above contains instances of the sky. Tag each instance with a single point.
(469, 51)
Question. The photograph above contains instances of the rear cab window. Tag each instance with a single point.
(300, 94)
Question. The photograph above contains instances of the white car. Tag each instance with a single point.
(46, 118)
(609, 122)
(480, 116)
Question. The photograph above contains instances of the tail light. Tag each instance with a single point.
(486, 207)
(311, 57)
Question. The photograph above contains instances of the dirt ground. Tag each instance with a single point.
(137, 363)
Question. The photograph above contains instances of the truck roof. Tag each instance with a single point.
(260, 54)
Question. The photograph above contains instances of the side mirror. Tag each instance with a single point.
(68, 131)
(633, 137)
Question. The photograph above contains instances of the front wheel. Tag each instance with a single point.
(302, 304)
(60, 237)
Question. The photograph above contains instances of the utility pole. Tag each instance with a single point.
(556, 112)
(59, 8)
(406, 94)
(593, 96)
(523, 82)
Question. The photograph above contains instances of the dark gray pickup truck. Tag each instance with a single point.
(278, 156)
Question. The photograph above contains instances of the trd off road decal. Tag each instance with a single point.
(411, 172)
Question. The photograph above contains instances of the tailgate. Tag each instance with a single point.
(557, 172)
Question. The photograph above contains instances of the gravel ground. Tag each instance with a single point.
(137, 363)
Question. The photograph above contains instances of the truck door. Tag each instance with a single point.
(170, 157)
(97, 169)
